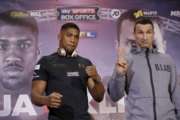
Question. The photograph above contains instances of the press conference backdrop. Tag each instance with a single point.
(98, 42)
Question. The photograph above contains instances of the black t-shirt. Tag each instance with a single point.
(67, 76)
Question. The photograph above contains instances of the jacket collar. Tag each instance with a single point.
(135, 49)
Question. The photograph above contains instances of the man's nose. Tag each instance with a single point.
(11, 59)
(13, 54)
(73, 39)
(144, 36)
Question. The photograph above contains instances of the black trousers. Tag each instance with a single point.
(52, 117)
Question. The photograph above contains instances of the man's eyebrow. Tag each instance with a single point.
(71, 33)
(150, 30)
(24, 39)
(3, 40)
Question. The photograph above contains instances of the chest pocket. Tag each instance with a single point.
(70, 75)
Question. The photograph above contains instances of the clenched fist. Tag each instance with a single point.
(54, 100)
(92, 73)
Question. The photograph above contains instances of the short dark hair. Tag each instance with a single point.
(19, 18)
(70, 25)
(143, 20)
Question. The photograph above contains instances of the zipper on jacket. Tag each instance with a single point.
(152, 84)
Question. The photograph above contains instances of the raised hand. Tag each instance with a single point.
(121, 64)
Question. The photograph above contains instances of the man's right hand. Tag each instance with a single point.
(54, 100)
(121, 64)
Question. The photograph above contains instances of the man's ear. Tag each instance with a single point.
(38, 51)
(37, 54)
(60, 35)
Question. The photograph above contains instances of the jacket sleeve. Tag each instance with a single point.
(119, 83)
(175, 90)
(116, 86)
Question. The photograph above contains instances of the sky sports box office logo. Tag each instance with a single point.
(87, 13)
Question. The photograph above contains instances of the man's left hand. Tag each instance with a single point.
(92, 73)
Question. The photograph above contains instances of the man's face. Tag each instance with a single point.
(126, 32)
(144, 35)
(18, 52)
(69, 39)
